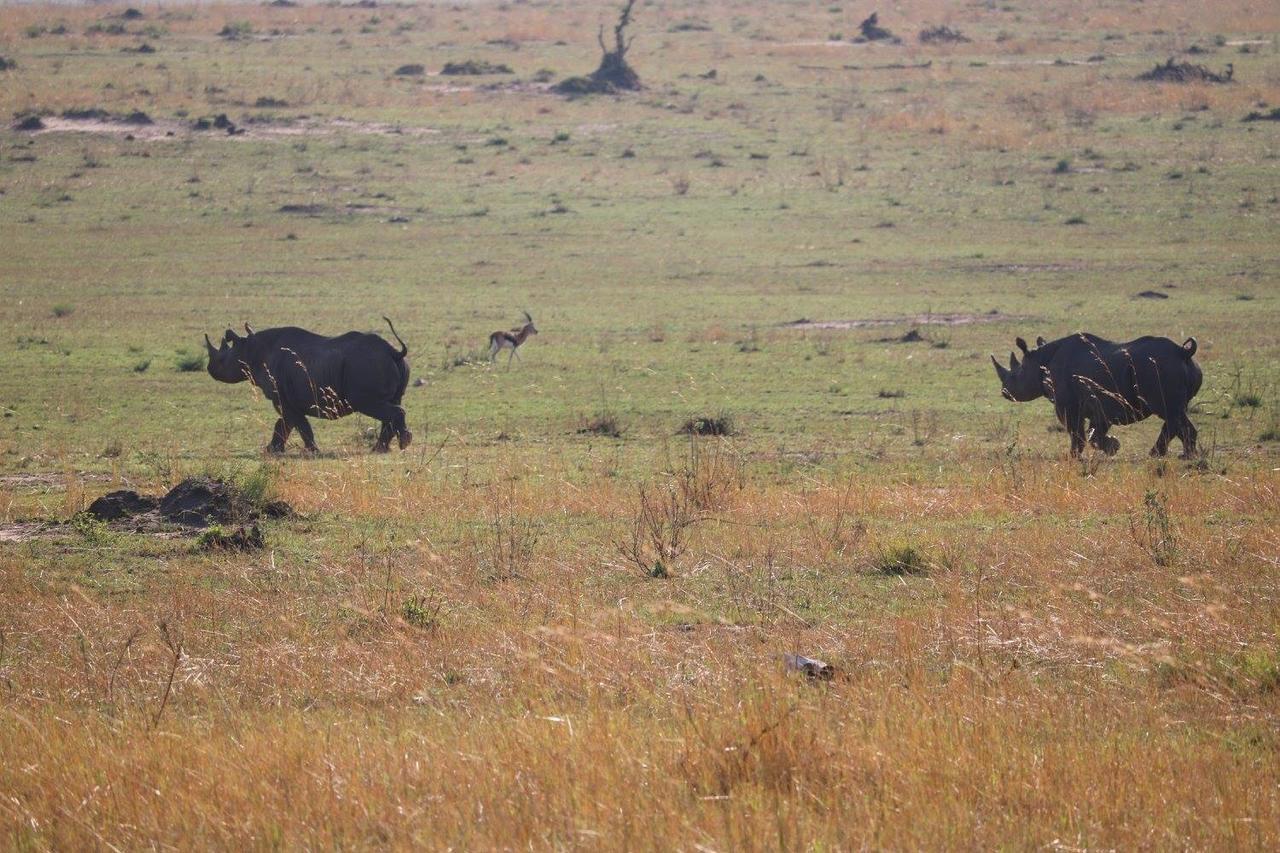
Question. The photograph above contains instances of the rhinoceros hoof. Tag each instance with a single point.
(405, 438)
(1110, 446)
(381, 447)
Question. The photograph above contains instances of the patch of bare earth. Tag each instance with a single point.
(162, 129)
(913, 320)
(46, 480)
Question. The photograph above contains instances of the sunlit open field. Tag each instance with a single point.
(558, 619)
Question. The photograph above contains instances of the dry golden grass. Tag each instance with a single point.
(1074, 668)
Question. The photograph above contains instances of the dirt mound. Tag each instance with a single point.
(200, 501)
(125, 503)
(195, 502)
(1186, 72)
(872, 31)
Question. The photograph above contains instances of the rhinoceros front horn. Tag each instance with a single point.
(1000, 369)
(209, 344)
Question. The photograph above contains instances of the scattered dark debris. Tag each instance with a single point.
(942, 35)
(808, 324)
(605, 423)
(912, 336)
(142, 48)
(890, 66)
(1151, 294)
(872, 31)
(282, 4)
(807, 666)
(304, 209)
(267, 103)
(1186, 72)
(241, 539)
(220, 121)
(86, 114)
(137, 117)
(412, 69)
(690, 25)
(29, 122)
(419, 382)
(721, 425)
(1274, 115)
(708, 75)
(474, 68)
(6, 64)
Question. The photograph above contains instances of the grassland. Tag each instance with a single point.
(477, 643)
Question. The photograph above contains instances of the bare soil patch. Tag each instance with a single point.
(805, 323)
(46, 480)
(162, 129)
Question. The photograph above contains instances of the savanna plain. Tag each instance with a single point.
(759, 418)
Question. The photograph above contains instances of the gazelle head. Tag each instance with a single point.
(529, 328)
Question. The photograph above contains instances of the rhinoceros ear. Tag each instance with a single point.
(1040, 340)
(248, 329)
(229, 335)
(1022, 345)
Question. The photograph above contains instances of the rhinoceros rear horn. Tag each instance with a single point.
(1013, 362)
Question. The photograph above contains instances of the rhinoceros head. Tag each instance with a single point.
(1022, 380)
(225, 361)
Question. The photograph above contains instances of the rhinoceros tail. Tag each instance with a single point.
(1188, 347)
(404, 348)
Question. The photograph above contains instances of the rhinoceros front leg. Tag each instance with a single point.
(1106, 443)
(298, 421)
(279, 436)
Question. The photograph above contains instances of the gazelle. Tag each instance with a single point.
(499, 341)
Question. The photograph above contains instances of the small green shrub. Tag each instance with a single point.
(63, 310)
(189, 362)
(1248, 400)
(236, 30)
(422, 612)
(897, 560)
